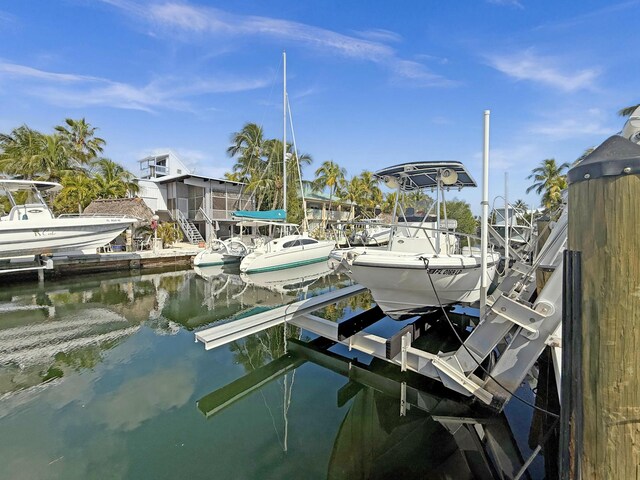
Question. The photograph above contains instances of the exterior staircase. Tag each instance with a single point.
(190, 231)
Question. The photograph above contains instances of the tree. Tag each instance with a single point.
(78, 191)
(331, 175)
(18, 149)
(460, 211)
(520, 205)
(627, 111)
(112, 180)
(248, 146)
(81, 143)
(584, 155)
(550, 180)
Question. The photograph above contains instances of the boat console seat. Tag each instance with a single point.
(28, 212)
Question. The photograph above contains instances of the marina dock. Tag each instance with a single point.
(75, 264)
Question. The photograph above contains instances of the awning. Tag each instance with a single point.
(261, 214)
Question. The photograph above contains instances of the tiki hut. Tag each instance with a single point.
(131, 207)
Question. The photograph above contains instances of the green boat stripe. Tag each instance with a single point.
(213, 264)
(286, 265)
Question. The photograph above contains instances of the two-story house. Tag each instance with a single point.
(201, 205)
(323, 210)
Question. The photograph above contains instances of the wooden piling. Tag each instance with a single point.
(604, 220)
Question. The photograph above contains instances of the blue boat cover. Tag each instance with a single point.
(261, 214)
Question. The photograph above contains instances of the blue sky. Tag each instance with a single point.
(370, 83)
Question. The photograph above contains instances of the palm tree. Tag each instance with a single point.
(352, 191)
(19, 151)
(550, 180)
(248, 146)
(113, 181)
(627, 111)
(520, 205)
(584, 155)
(78, 191)
(371, 190)
(79, 136)
(331, 175)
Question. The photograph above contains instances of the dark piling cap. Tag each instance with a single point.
(616, 156)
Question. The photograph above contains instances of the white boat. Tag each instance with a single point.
(421, 268)
(286, 252)
(289, 250)
(371, 233)
(32, 229)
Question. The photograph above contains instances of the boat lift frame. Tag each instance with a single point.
(512, 326)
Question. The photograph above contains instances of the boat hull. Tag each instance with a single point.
(260, 261)
(402, 285)
(78, 234)
(206, 258)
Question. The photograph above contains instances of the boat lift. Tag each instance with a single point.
(486, 443)
(513, 326)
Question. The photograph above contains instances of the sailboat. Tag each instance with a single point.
(421, 267)
(292, 250)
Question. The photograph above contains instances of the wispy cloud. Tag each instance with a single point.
(191, 19)
(507, 3)
(6, 18)
(529, 66)
(379, 35)
(583, 17)
(564, 126)
(73, 90)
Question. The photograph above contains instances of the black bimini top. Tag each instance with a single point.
(419, 175)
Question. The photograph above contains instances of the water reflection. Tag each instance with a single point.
(48, 331)
(395, 426)
(99, 372)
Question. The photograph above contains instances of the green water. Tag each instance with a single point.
(100, 378)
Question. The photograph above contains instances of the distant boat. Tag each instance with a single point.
(32, 229)
(234, 249)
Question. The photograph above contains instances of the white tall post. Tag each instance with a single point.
(484, 242)
(506, 221)
(284, 132)
(438, 191)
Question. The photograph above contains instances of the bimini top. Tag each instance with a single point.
(19, 185)
(419, 175)
(261, 214)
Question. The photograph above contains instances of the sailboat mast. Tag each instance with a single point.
(284, 133)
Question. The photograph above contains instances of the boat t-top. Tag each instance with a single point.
(424, 265)
(32, 229)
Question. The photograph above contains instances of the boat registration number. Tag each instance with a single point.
(446, 271)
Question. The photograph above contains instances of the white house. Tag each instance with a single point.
(201, 205)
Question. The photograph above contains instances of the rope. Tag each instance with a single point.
(453, 328)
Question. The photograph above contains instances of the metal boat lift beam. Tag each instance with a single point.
(232, 331)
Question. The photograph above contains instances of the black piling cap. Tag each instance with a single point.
(615, 157)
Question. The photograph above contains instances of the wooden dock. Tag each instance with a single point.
(72, 264)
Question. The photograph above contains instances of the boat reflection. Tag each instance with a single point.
(58, 328)
(396, 426)
(228, 294)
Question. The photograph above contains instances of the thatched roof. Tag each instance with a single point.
(134, 207)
